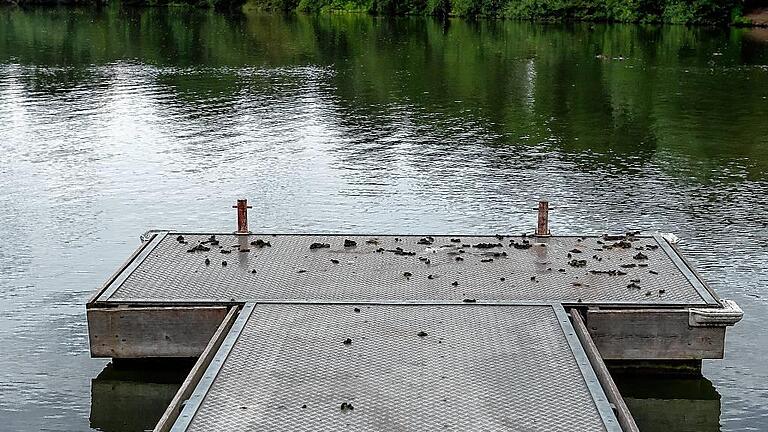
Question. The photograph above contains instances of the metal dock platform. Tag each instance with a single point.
(183, 268)
(383, 333)
(399, 367)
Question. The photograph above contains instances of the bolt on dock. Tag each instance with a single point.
(384, 332)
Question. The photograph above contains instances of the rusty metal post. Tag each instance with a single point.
(542, 229)
(242, 216)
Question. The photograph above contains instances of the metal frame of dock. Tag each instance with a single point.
(255, 308)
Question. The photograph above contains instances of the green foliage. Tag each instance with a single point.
(710, 12)
(671, 11)
(438, 8)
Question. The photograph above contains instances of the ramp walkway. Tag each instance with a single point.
(310, 367)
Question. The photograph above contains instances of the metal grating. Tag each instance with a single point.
(289, 270)
(478, 368)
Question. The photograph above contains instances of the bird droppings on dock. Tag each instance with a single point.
(608, 272)
(319, 246)
(259, 243)
(401, 252)
(422, 334)
(199, 248)
(623, 244)
(349, 243)
(487, 245)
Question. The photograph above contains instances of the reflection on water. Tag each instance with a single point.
(132, 396)
(116, 121)
(665, 404)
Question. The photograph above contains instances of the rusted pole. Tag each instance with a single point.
(542, 229)
(242, 216)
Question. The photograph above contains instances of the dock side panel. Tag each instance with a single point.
(152, 331)
(643, 334)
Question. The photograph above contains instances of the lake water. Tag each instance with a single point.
(115, 122)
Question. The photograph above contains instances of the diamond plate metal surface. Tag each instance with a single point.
(474, 368)
(290, 270)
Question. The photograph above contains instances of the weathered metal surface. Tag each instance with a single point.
(242, 216)
(422, 269)
(728, 315)
(174, 407)
(653, 334)
(447, 367)
(152, 331)
(542, 226)
(606, 381)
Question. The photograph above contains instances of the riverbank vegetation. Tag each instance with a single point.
(706, 12)
(636, 11)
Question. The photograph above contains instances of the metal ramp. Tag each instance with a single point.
(395, 367)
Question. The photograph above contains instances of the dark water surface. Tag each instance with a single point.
(112, 123)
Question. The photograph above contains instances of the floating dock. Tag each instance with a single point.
(372, 332)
